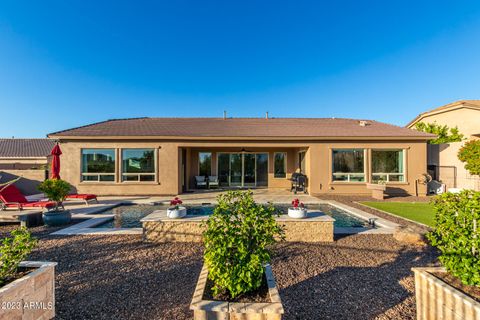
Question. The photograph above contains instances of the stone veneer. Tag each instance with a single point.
(157, 227)
(438, 300)
(224, 310)
(31, 297)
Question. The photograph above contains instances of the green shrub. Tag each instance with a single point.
(55, 189)
(13, 250)
(237, 241)
(444, 133)
(457, 234)
(470, 154)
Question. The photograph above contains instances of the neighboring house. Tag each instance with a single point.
(27, 158)
(162, 156)
(442, 159)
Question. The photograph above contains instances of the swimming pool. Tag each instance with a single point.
(129, 216)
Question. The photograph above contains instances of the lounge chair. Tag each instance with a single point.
(11, 197)
(200, 181)
(212, 181)
(83, 196)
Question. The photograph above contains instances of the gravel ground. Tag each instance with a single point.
(120, 277)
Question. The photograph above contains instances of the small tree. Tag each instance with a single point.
(444, 133)
(237, 239)
(470, 154)
(55, 189)
(13, 250)
(457, 234)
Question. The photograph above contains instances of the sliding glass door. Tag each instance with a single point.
(243, 169)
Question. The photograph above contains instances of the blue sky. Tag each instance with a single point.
(69, 63)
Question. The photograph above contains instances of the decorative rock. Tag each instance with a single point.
(407, 235)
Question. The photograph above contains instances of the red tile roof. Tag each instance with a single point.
(25, 148)
(241, 127)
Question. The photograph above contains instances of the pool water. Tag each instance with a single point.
(129, 216)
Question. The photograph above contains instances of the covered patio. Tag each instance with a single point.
(242, 166)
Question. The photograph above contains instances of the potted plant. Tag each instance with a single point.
(298, 210)
(176, 211)
(378, 189)
(237, 239)
(457, 236)
(56, 190)
(22, 281)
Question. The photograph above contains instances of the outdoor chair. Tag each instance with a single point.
(200, 181)
(213, 181)
(82, 196)
(11, 197)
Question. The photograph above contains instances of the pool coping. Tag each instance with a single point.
(382, 226)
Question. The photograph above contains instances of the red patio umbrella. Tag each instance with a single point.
(56, 152)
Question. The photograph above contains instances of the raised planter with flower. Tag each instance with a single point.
(452, 291)
(56, 190)
(298, 210)
(176, 211)
(27, 288)
(236, 281)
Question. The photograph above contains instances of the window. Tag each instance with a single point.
(387, 165)
(348, 165)
(98, 165)
(138, 165)
(204, 163)
(280, 165)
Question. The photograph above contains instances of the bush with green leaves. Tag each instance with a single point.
(457, 234)
(13, 250)
(237, 241)
(55, 189)
(470, 154)
(444, 133)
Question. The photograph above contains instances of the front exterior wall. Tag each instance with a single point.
(318, 162)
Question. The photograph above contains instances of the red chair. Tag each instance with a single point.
(11, 197)
(85, 197)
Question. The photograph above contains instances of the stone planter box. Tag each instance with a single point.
(378, 190)
(157, 227)
(216, 310)
(32, 296)
(438, 300)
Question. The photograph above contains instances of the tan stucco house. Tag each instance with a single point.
(162, 156)
(442, 158)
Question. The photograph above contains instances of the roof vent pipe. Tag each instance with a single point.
(266, 115)
(224, 114)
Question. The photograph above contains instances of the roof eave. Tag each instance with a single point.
(276, 138)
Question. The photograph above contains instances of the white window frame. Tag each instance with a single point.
(139, 174)
(98, 174)
(211, 161)
(404, 157)
(349, 174)
(284, 164)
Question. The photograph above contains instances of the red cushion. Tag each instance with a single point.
(34, 204)
(12, 194)
(41, 204)
(86, 196)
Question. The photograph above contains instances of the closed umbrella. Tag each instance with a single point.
(56, 152)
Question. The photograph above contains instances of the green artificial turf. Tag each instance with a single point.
(417, 211)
